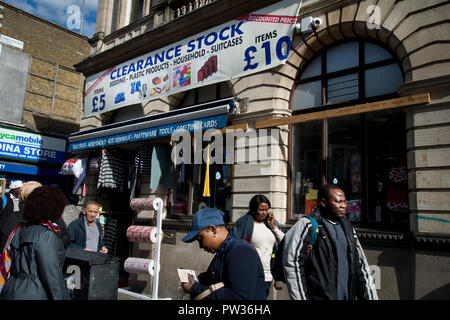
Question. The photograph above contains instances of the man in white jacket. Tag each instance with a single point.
(335, 268)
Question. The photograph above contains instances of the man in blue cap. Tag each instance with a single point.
(235, 273)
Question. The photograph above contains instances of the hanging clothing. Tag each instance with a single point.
(142, 164)
(162, 165)
(206, 192)
(112, 171)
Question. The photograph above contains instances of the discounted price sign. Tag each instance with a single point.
(255, 42)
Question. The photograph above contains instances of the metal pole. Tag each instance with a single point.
(158, 206)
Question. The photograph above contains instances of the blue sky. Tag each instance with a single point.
(66, 13)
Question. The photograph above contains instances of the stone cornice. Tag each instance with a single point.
(427, 85)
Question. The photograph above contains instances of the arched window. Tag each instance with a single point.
(361, 153)
(356, 70)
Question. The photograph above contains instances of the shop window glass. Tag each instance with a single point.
(364, 154)
(314, 69)
(343, 88)
(344, 160)
(307, 95)
(342, 57)
(380, 138)
(137, 9)
(378, 84)
(306, 167)
(374, 53)
(387, 171)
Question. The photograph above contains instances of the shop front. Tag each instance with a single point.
(30, 156)
(347, 105)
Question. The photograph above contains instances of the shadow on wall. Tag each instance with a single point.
(442, 293)
(395, 285)
(46, 124)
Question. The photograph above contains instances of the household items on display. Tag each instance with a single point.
(74, 167)
(144, 234)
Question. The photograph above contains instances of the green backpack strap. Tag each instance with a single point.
(314, 233)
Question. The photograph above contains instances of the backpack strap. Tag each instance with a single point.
(4, 201)
(314, 229)
(314, 233)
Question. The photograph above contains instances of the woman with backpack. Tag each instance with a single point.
(262, 231)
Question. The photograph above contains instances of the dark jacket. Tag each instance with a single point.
(6, 204)
(236, 264)
(12, 219)
(77, 231)
(245, 225)
(37, 266)
(316, 278)
(8, 219)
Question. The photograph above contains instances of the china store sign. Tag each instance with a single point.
(15, 144)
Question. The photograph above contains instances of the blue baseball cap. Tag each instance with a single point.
(203, 219)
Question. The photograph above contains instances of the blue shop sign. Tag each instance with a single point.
(30, 170)
(22, 145)
(213, 122)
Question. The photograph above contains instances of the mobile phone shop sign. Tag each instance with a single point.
(15, 144)
(252, 43)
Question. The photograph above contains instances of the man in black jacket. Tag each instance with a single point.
(86, 232)
(336, 267)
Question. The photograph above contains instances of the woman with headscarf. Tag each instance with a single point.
(262, 231)
(31, 265)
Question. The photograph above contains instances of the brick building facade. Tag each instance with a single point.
(45, 96)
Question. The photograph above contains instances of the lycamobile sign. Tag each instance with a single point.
(23, 145)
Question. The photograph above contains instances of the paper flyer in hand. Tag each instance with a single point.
(183, 275)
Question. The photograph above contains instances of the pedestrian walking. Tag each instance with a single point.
(335, 268)
(235, 273)
(262, 231)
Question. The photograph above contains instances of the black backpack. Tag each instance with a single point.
(276, 264)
